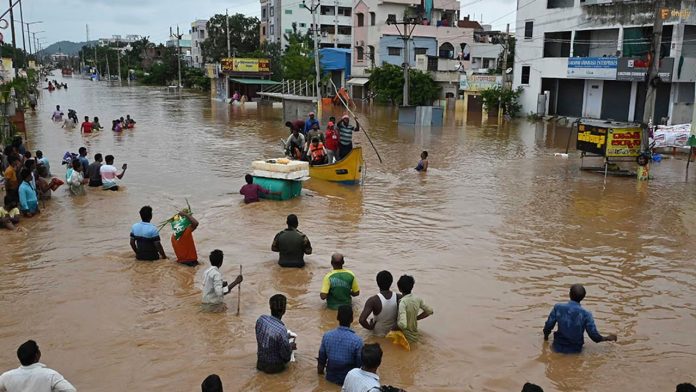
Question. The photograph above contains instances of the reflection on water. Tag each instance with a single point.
(494, 234)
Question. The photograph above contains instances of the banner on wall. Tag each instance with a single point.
(672, 136)
(592, 67)
(242, 64)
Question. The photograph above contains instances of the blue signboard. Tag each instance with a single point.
(592, 67)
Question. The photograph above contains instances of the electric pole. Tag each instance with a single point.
(178, 51)
(14, 42)
(315, 29)
(227, 22)
(24, 43)
(653, 71)
(409, 25)
(505, 66)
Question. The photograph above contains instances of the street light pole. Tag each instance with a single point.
(409, 26)
(24, 44)
(315, 29)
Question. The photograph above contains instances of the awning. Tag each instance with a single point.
(255, 81)
(359, 81)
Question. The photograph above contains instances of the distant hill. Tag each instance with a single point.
(67, 47)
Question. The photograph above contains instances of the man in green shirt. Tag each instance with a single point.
(339, 285)
(292, 245)
(409, 308)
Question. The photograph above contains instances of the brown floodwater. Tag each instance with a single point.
(494, 234)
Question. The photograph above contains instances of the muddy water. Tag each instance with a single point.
(494, 235)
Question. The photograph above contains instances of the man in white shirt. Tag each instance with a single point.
(214, 288)
(33, 376)
(365, 379)
(109, 174)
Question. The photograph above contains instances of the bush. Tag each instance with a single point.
(509, 99)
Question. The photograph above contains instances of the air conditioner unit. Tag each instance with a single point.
(359, 43)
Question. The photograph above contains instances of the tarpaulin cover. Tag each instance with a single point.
(335, 59)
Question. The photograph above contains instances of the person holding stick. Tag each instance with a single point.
(345, 130)
(214, 288)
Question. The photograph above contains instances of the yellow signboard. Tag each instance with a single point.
(211, 71)
(241, 64)
(624, 142)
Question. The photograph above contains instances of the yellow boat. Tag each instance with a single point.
(346, 171)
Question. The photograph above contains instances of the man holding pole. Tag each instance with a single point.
(345, 131)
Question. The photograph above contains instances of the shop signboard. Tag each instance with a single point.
(247, 65)
(483, 82)
(624, 142)
(634, 69)
(591, 139)
(592, 67)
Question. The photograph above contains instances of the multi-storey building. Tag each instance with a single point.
(441, 43)
(281, 17)
(588, 58)
(199, 32)
(185, 45)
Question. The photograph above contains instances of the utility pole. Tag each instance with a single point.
(505, 66)
(409, 25)
(178, 51)
(227, 22)
(653, 71)
(24, 44)
(315, 30)
(14, 42)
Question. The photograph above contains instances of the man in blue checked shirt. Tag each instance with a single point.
(572, 321)
(274, 347)
(340, 350)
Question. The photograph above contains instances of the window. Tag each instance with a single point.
(344, 11)
(288, 12)
(557, 44)
(359, 53)
(525, 74)
(201, 34)
(263, 13)
(328, 29)
(271, 12)
(560, 3)
(301, 6)
(361, 19)
(372, 18)
(345, 30)
(263, 32)
(421, 50)
(391, 17)
(303, 24)
(288, 31)
(486, 63)
(328, 10)
(393, 51)
(272, 30)
(371, 51)
(528, 29)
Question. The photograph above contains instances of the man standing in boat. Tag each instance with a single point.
(345, 131)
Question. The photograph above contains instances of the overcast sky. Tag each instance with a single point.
(66, 19)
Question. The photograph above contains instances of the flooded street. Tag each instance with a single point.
(494, 235)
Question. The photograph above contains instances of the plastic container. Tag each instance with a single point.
(288, 189)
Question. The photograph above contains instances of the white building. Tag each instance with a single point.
(199, 32)
(587, 58)
(334, 19)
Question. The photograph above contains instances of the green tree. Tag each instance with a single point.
(388, 84)
(297, 61)
(273, 52)
(244, 36)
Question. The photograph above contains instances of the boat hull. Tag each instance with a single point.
(346, 171)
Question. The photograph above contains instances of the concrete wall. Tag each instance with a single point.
(292, 110)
